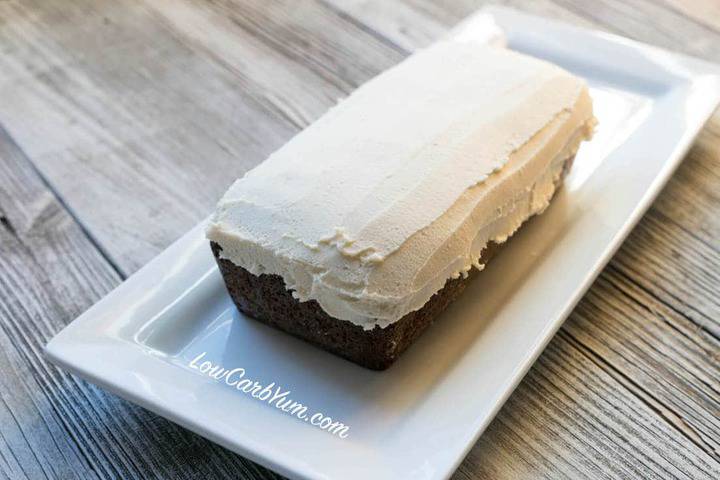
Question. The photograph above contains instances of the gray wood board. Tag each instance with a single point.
(125, 121)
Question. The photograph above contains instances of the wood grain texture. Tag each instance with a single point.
(156, 115)
(54, 425)
(126, 121)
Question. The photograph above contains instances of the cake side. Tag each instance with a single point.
(266, 298)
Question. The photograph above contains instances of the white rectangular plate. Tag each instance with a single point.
(419, 418)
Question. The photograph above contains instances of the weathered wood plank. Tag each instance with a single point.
(137, 129)
(138, 101)
(568, 407)
(125, 97)
(400, 23)
(705, 12)
(53, 425)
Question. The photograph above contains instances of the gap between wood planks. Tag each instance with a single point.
(4, 137)
(635, 389)
(54, 424)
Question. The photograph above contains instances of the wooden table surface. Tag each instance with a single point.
(123, 121)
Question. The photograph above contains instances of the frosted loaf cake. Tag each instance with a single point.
(361, 229)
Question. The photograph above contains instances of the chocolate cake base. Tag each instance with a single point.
(265, 298)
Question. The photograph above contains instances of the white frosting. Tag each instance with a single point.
(399, 187)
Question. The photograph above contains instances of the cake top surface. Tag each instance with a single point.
(349, 211)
